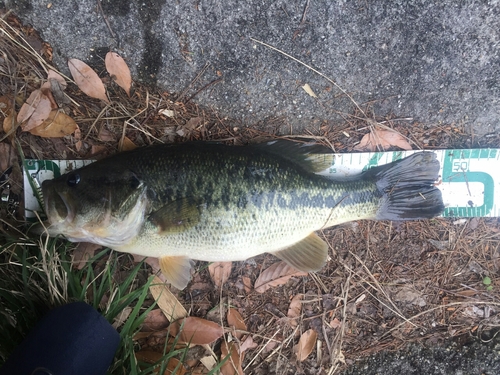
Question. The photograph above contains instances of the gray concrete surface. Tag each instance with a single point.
(435, 61)
(474, 358)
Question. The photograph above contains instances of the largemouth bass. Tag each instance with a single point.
(214, 202)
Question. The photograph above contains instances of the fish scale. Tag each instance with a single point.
(213, 202)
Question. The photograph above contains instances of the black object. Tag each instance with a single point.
(70, 340)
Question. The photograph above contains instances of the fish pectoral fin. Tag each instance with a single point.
(176, 216)
(177, 270)
(309, 254)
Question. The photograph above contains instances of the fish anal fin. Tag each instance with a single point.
(176, 216)
(177, 270)
(309, 254)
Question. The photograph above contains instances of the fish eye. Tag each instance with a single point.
(73, 179)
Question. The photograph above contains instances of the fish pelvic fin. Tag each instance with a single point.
(177, 270)
(407, 188)
(308, 255)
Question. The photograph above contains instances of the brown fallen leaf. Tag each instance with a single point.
(235, 320)
(82, 253)
(58, 124)
(382, 139)
(57, 77)
(196, 331)
(78, 139)
(306, 344)
(126, 144)
(167, 302)
(7, 156)
(35, 111)
(119, 71)
(232, 365)
(335, 323)
(8, 114)
(295, 309)
(87, 80)
(5, 105)
(247, 283)
(122, 317)
(105, 135)
(155, 321)
(9, 123)
(275, 275)
(174, 366)
(220, 272)
(97, 149)
(309, 90)
(248, 343)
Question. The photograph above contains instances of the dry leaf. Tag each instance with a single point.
(78, 138)
(335, 323)
(97, 149)
(275, 275)
(295, 309)
(248, 344)
(53, 75)
(119, 71)
(9, 122)
(105, 135)
(174, 366)
(154, 321)
(196, 331)
(87, 80)
(167, 112)
(35, 111)
(82, 253)
(382, 139)
(5, 105)
(166, 301)
(148, 356)
(7, 156)
(57, 125)
(122, 317)
(219, 272)
(232, 365)
(209, 362)
(306, 344)
(126, 144)
(247, 283)
(270, 346)
(193, 123)
(29, 106)
(309, 90)
(235, 320)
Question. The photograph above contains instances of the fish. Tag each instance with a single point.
(214, 202)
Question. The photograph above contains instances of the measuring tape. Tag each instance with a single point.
(469, 179)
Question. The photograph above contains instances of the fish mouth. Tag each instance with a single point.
(57, 206)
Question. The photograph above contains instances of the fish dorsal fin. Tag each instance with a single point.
(177, 270)
(313, 157)
(176, 216)
(307, 255)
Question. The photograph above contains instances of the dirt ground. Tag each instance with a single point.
(386, 285)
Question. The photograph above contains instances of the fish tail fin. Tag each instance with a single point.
(407, 188)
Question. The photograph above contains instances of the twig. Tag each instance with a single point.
(198, 76)
(107, 24)
(312, 69)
